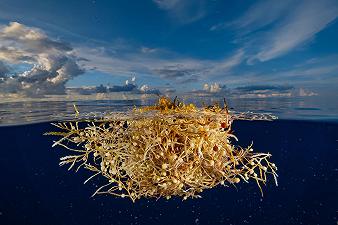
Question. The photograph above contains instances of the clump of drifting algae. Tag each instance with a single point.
(169, 149)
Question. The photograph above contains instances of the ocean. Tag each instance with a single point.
(35, 190)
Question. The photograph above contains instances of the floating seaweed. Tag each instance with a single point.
(169, 149)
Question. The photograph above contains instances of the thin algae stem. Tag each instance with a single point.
(168, 149)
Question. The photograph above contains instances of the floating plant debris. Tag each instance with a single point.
(169, 149)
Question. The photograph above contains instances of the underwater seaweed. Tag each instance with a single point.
(169, 149)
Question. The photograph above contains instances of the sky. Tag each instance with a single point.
(194, 46)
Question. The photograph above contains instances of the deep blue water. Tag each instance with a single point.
(35, 190)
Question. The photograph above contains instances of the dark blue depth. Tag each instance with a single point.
(35, 190)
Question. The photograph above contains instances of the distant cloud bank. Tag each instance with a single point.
(130, 87)
(252, 91)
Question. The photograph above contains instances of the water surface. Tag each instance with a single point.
(297, 108)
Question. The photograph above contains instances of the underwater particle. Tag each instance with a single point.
(165, 150)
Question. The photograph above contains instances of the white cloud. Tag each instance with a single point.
(270, 29)
(303, 23)
(210, 90)
(225, 65)
(214, 88)
(252, 91)
(167, 4)
(144, 88)
(183, 11)
(148, 50)
(315, 74)
(257, 16)
(167, 66)
(305, 93)
(52, 62)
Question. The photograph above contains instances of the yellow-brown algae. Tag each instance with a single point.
(169, 149)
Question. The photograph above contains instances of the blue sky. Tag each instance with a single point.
(169, 43)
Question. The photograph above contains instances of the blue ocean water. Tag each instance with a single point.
(35, 190)
(295, 108)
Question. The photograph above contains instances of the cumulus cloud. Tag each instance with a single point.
(52, 61)
(214, 88)
(131, 86)
(145, 89)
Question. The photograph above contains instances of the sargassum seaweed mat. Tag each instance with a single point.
(169, 149)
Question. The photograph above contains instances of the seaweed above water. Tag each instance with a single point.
(168, 149)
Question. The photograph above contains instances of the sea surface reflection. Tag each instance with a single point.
(25, 112)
